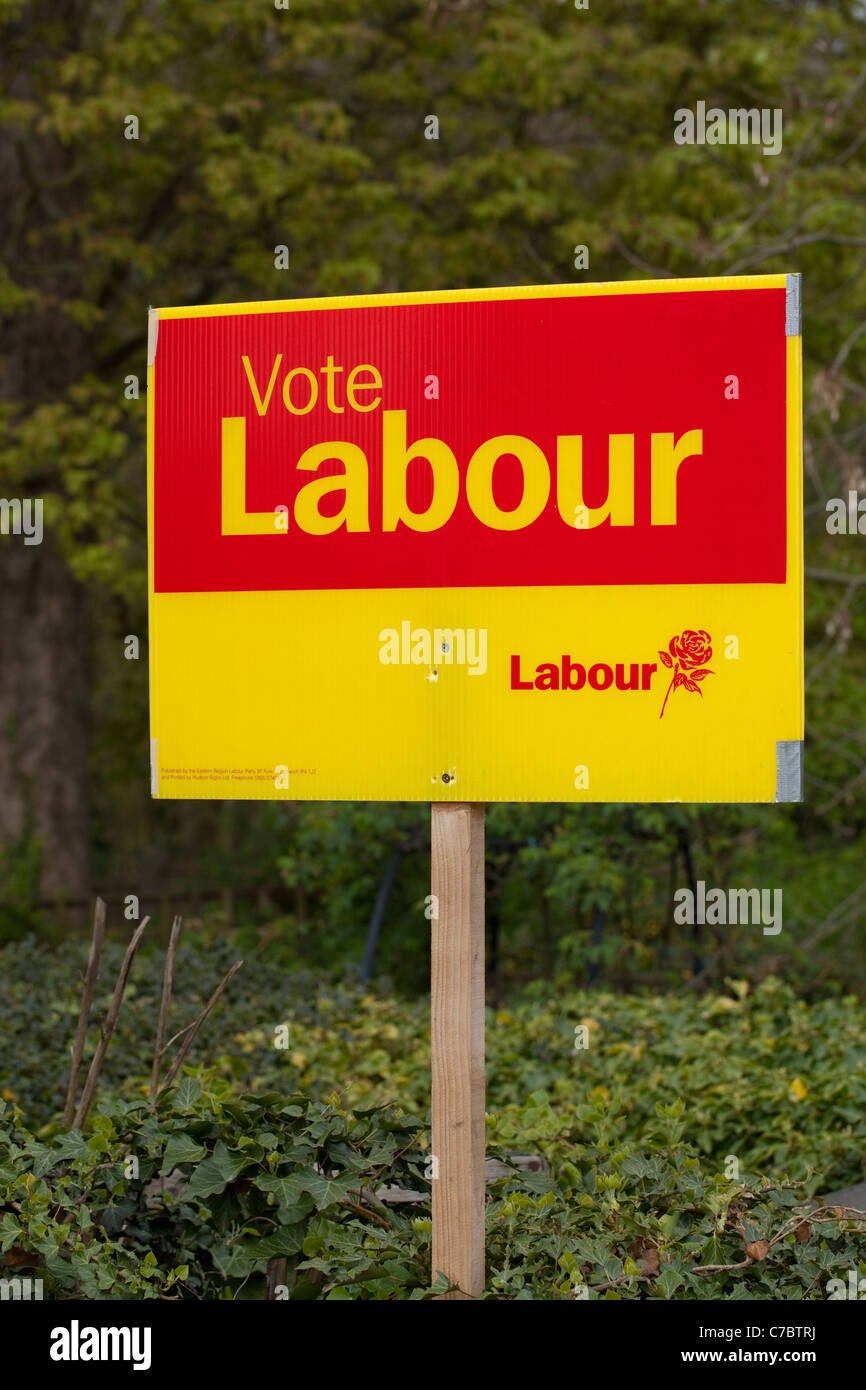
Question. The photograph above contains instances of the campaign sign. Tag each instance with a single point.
(540, 543)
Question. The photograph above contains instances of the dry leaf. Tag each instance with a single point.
(758, 1250)
(803, 1232)
(18, 1256)
(650, 1266)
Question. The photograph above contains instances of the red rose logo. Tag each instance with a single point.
(687, 655)
(692, 649)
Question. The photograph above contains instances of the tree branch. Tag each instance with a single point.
(108, 1027)
(194, 1027)
(162, 1025)
(90, 980)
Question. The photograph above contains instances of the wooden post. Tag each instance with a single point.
(457, 1044)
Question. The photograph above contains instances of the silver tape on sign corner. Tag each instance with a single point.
(789, 769)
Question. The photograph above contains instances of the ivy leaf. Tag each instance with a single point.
(44, 1158)
(214, 1174)
(326, 1191)
(206, 1181)
(235, 1261)
(292, 1203)
(10, 1231)
(286, 1241)
(181, 1149)
(228, 1163)
(287, 1188)
(71, 1145)
(669, 1281)
(712, 1253)
(186, 1094)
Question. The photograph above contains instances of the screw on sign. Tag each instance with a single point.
(489, 562)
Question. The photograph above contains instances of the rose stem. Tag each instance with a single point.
(670, 688)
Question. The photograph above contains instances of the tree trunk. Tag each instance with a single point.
(43, 712)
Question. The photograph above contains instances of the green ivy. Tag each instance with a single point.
(195, 1198)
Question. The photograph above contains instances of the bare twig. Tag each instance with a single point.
(179, 1034)
(179, 1059)
(833, 577)
(108, 1027)
(161, 1027)
(634, 259)
(715, 1269)
(366, 1213)
(90, 980)
(620, 1279)
(836, 919)
(785, 244)
(839, 359)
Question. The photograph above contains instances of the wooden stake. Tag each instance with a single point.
(457, 1044)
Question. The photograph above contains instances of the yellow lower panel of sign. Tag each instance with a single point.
(409, 694)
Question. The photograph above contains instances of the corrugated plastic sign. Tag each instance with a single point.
(527, 544)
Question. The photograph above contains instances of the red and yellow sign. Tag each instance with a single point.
(539, 543)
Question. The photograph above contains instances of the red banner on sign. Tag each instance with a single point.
(606, 439)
